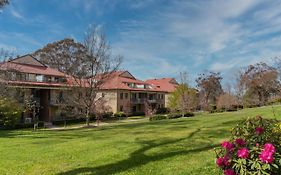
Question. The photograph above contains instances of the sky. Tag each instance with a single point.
(157, 38)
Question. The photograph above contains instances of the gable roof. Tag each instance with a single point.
(29, 64)
(28, 60)
(164, 84)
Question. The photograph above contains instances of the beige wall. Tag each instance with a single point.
(111, 99)
(125, 102)
(167, 96)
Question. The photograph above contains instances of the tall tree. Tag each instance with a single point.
(95, 69)
(260, 82)
(183, 98)
(210, 88)
(63, 55)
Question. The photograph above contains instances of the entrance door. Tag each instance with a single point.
(44, 105)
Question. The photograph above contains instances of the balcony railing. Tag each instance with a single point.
(142, 100)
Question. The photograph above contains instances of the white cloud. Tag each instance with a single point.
(16, 14)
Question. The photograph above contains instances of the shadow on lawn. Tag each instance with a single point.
(139, 158)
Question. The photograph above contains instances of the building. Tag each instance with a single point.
(122, 91)
(167, 85)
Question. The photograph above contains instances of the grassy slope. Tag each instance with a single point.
(180, 146)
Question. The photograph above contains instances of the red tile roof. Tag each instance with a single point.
(118, 81)
(164, 84)
(32, 69)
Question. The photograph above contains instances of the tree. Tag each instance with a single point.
(260, 82)
(183, 98)
(63, 55)
(227, 102)
(210, 88)
(3, 3)
(95, 69)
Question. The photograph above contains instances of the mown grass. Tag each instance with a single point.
(179, 146)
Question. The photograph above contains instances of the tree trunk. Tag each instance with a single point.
(98, 120)
(87, 118)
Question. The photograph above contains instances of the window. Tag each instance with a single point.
(121, 96)
(121, 108)
(126, 95)
(162, 96)
(39, 78)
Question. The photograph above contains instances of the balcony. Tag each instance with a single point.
(142, 100)
(138, 100)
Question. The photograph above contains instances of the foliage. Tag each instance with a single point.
(188, 114)
(120, 115)
(162, 110)
(63, 55)
(183, 99)
(10, 112)
(260, 82)
(174, 116)
(226, 102)
(210, 88)
(171, 116)
(254, 148)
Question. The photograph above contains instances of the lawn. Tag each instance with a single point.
(179, 146)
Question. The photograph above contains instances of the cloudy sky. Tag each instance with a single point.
(158, 38)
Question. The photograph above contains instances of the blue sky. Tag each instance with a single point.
(158, 38)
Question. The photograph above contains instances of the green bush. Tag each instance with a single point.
(162, 111)
(158, 117)
(254, 148)
(174, 116)
(107, 115)
(189, 114)
(10, 113)
(120, 115)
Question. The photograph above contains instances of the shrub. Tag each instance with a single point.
(254, 148)
(158, 117)
(162, 111)
(174, 116)
(189, 114)
(107, 115)
(10, 113)
(120, 115)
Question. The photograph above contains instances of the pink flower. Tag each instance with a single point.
(240, 142)
(266, 155)
(227, 145)
(259, 130)
(269, 147)
(229, 172)
(243, 153)
(257, 144)
(220, 162)
(226, 160)
(223, 161)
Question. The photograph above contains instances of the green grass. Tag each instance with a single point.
(179, 146)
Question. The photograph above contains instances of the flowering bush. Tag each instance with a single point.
(254, 149)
